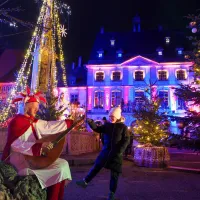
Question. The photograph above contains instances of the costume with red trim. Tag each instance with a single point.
(23, 132)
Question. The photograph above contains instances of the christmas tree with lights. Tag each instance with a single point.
(43, 56)
(191, 93)
(151, 126)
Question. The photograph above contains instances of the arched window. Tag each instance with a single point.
(99, 99)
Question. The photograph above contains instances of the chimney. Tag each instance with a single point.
(136, 24)
(79, 61)
(73, 66)
(102, 30)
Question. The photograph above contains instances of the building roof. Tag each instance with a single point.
(138, 43)
(76, 76)
(10, 62)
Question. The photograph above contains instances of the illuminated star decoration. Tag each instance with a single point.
(63, 31)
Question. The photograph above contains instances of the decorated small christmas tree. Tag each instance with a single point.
(50, 111)
(151, 127)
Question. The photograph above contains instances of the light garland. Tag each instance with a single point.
(24, 72)
(55, 82)
(61, 56)
(18, 82)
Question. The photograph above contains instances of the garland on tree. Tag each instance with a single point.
(190, 137)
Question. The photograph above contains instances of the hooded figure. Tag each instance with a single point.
(23, 132)
(115, 139)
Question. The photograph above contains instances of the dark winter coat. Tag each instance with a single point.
(115, 138)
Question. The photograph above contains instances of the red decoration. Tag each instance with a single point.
(180, 124)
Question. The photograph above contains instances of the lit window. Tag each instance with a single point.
(162, 75)
(100, 55)
(116, 98)
(167, 40)
(139, 75)
(74, 98)
(181, 74)
(160, 51)
(139, 97)
(180, 52)
(116, 76)
(119, 55)
(112, 42)
(163, 95)
(99, 76)
(98, 99)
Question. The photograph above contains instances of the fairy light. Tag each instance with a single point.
(25, 70)
(20, 76)
(61, 56)
(54, 49)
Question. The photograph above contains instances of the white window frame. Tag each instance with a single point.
(115, 97)
(113, 73)
(137, 71)
(102, 105)
(96, 76)
(160, 71)
(186, 75)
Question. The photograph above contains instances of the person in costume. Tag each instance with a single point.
(61, 105)
(115, 139)
(23, 132)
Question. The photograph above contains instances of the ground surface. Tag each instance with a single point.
(137, 184)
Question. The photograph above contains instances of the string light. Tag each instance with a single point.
(61, 56)
(20, 77)
(38, 37)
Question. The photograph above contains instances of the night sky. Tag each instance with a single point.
(88, 16)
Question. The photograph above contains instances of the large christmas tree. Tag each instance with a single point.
(191, 93)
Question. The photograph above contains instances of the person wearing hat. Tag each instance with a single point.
(23, 132)
(116, 138)
(104, 120)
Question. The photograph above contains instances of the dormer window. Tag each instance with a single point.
(162, 75)
(116, 76)
(100, 53)
(119, 54)
(160, 51)
(112, 42)
(179, 51)
(181, 74)
(99, 76)
(139, 75)
(167, 40)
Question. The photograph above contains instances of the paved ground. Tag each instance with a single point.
(137, 184)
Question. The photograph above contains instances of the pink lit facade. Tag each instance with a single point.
(124, 84)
